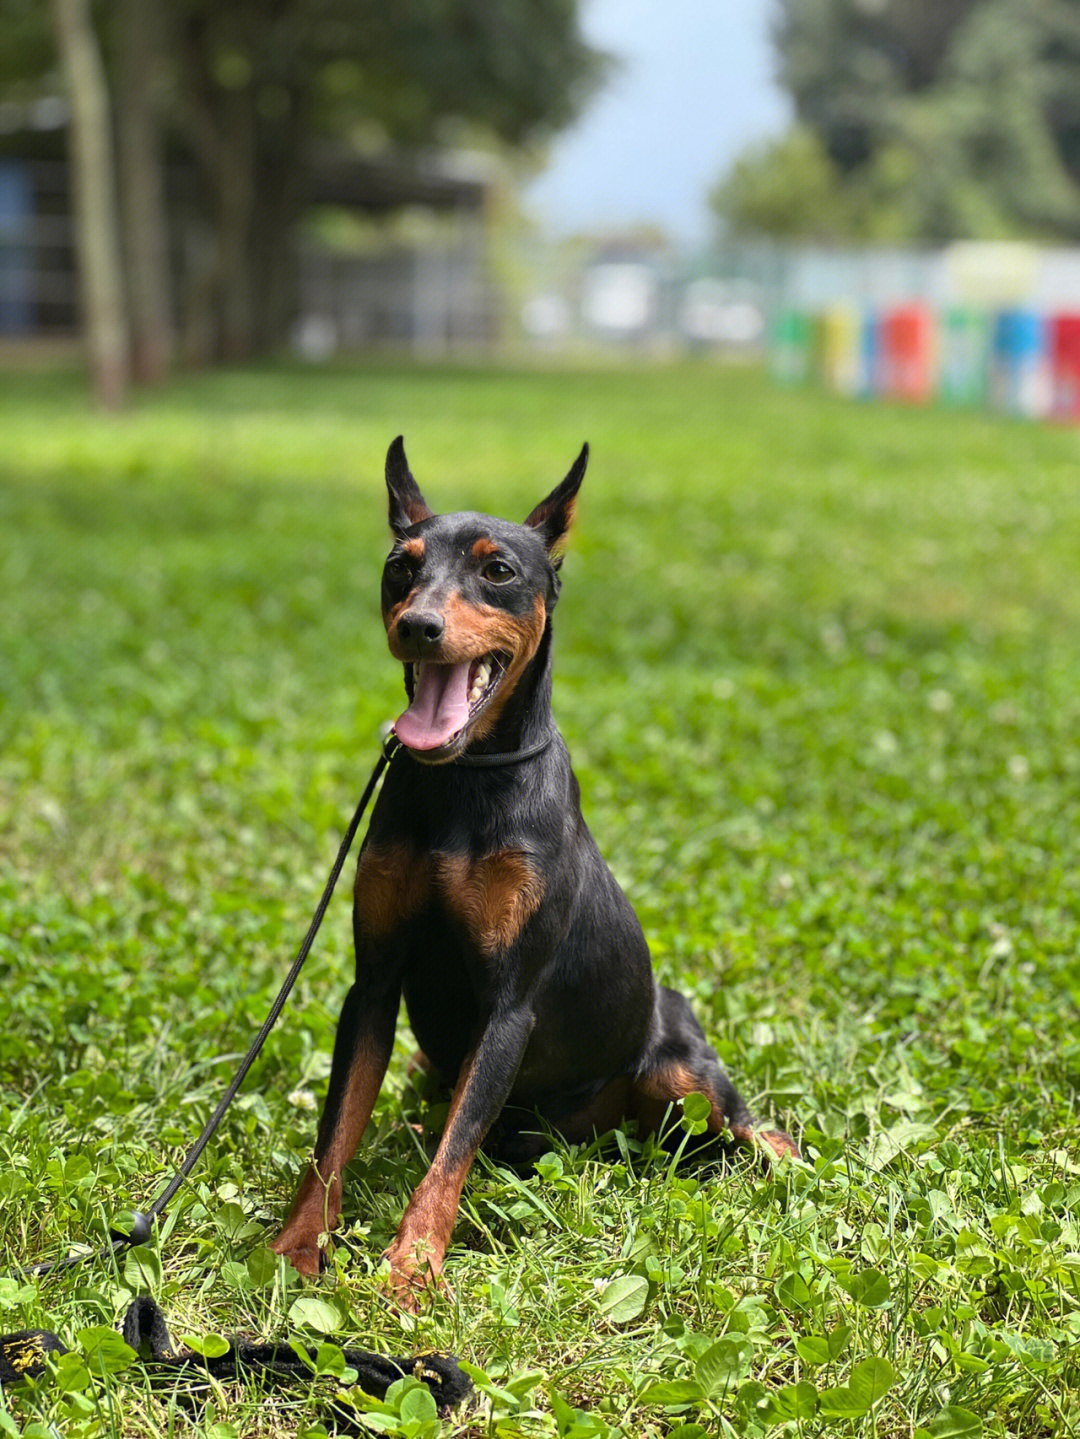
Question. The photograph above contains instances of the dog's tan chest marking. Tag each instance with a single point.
(493, 896)
(393, 881)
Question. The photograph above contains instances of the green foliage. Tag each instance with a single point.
(335, 64)
(28, 50)
(518, 71)
(955, 121)
(786, 188)
(817, 668)
(261, 97)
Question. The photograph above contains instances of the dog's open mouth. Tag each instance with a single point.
(445, 699)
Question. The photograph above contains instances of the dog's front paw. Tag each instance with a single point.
(301, 1250)
(415, 1276)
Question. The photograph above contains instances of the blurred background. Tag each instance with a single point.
(806, 275)
(878, 193)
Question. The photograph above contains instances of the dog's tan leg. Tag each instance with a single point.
(361, 1053)
(656, 1091)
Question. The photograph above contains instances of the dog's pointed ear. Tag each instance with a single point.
(554, 516)
(407, 505)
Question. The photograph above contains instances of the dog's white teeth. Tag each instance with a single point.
(480, 683)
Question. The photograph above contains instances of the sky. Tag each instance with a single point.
(694, 87)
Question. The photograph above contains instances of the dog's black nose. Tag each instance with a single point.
(420, 630)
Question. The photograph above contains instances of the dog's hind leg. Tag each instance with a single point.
(680, 1061)
(524, 1138)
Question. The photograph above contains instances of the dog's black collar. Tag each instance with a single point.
(489, 761)
(484, 761)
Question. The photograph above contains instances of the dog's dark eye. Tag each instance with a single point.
(398, 571)
(497, 572)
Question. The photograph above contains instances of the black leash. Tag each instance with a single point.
(23, 1355)
(141, 1223)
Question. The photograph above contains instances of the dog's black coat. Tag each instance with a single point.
(483, 901)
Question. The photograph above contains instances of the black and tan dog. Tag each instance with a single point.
(482, 898)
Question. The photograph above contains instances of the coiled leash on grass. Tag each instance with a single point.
(22, 1355)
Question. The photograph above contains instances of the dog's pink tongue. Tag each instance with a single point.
(439, 708)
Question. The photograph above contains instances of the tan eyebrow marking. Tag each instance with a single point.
(413, 548)
(484, 546)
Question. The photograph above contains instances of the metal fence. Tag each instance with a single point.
(38, 285)
(455, 285)
(433, 299)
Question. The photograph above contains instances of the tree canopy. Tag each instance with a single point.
(919, 122)
(245, 88)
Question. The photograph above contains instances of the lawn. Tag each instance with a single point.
(817, 666)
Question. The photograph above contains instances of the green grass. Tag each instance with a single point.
(817, 664)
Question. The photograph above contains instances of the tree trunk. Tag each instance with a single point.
(236, 182)
(273, 257)
(142, 191)
(94, 187)
(237, 288)
(252, 176)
